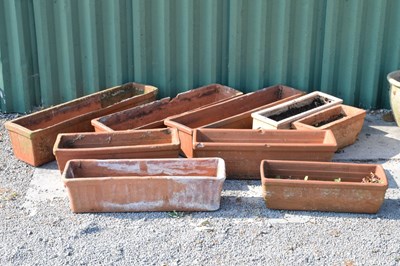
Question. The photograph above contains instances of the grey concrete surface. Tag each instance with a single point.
(37, 227)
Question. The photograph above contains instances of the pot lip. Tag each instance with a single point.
(391, 78)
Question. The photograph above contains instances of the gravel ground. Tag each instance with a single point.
(242, 232)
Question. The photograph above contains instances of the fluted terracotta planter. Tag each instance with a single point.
(238, 108)
(144, 185)
(243, 149)
(322, 186)
(345, 122)
(150, 143)
(282, 115)
(152, 115)
(33, 136)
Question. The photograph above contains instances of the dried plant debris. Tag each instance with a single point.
(371, 178)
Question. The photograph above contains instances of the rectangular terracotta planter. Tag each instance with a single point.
(345, 122)
(33, 136)
(144, 185)
(320, 192)
(153, 114)
(243, 149)
(268, 117)
(238, 108)
(150, 143)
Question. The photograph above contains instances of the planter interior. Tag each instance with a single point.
(243, 149)
(144, 185)
(152, 143)
(33, 135)
(394, 81)
(153, 115)
(345, 122)
(282, 115)
(284, 186)
(240, 107)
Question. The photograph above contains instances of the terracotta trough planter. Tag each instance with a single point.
(153, 114)
(144, 185)
(345, 122)
(281, 116)
(151, 143)
(33, 136)
(243, 149)
(320, 192)
(238, 109)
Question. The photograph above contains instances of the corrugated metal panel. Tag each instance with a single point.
(345, 48)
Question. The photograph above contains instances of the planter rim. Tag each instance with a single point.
(318, 183)
(391, 77)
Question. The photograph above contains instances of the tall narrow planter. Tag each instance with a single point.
(394, 80)
(284, 186)
(33, 136)
(153, 114)
(151, 143)
(243, 149)
(282, 115)
(144, 185)
(345, 122)
(240, 107)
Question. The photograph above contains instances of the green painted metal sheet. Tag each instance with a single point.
(54, 51)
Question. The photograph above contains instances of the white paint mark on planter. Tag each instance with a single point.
(46, 185)
(133, 206)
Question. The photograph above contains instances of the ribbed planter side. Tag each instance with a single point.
(320, 192)
(244, 104)
(265, 118)
(151, 143)
(153, 115)
(144, 185)
(345, 122)
(243, 149)
(33, 136)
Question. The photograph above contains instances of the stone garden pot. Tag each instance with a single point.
(345, 122)
(144, 184)
(322, 186)
(150, 143)
(394, 80)
(243, 149)
(33, 136)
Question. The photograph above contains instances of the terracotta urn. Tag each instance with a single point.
(238, 108)
(323, 186)
(345, 122)
(282, 115)
(149, 143)
(33, 136)
(136, 185)
(244, 149)
(153, 114)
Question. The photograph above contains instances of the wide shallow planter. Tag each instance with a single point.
(153, 114)
(241, 107)
(394, 80)
(144, 185)
(281, 116)
(243, 149)
(318, 186)
(345, 122)
(33, 136)
(151, 143)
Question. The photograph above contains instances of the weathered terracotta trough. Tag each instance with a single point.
(152, 115)
(33, 136)
(237, 110)
(144, 185)
(345, 122)
(244, 149)
(151, 143)
(322, 186)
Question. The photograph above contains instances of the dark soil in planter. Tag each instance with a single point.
(317, 102)
(329, 120)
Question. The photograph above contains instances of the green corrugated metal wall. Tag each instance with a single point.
(54, 51)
